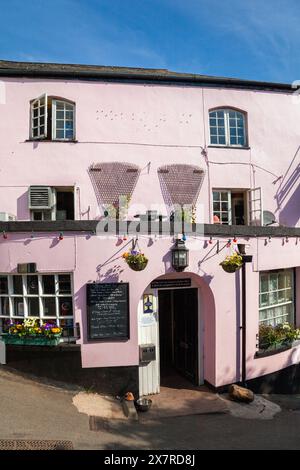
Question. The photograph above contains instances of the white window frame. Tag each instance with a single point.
(54, 119)
(229, 211)
(227, 127)
(37, 101)
(40, 296)
(268, 321)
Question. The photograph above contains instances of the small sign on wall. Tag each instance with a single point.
(148, 303)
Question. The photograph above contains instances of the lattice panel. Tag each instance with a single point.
(180, 183)
(113, 180)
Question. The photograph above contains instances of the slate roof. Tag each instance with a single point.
(110, 73)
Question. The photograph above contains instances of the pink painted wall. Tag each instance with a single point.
(159, 124)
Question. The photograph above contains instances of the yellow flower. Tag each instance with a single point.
(19, 327)
(55, 330)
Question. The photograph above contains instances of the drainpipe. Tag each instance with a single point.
(246, 259)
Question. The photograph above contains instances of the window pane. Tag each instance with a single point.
(224, 196)
(3, 285)
(222, 140)
(60, 134)
(68, 326)
(47, 215)
(18, 306)
(263, 300)
(213, 139)
(216, 206)
(65, 306)
(32, 285)
(288, 277)
(4, 306)
(33, 307)
(49, 307)
(59, 105)
(273, 281)
(233, 140)
(264, 285)
(17, 285)
(60, 124)
(37, 215)
(216, 195)
(60, 114)
(48, 284)
(69, 134)
(64, 283)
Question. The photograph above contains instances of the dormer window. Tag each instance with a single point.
(52, 119)
(227, 127)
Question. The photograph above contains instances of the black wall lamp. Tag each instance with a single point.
(180, 256)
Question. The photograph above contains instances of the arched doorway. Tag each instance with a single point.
(171, 319)
(178, 320)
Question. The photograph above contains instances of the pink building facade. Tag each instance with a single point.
(242, 138)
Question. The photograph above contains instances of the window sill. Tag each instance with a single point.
(231, 147)
(71, 141)
(270, 352)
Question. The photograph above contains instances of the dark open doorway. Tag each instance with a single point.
(178, 333)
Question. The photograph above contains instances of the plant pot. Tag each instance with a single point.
(230, 268)
(31, 340)
(138, 266)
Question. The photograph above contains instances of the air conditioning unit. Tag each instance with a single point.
(6, 217)
(40, 197)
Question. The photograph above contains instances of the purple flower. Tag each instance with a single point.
(134, 253)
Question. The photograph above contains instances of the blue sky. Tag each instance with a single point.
(252, 39)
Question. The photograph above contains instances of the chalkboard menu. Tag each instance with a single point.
(108, 311)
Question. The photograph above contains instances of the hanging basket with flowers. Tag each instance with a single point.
(232, 263)
(135, 260)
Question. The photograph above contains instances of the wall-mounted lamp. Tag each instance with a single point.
(180, 256)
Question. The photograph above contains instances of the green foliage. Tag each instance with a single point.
(272, 336)
(232, 263)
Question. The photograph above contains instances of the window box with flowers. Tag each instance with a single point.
(31, 332)
(275, 339)
(135, 260)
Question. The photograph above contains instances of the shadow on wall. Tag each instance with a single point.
(290, 213)
(288, 193)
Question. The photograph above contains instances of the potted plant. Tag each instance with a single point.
(274, 337)
(135, 260)
(232, 263)
(31, 332)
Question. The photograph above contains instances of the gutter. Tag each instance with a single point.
(148, 77)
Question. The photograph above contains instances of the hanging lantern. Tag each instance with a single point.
(180, 256)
